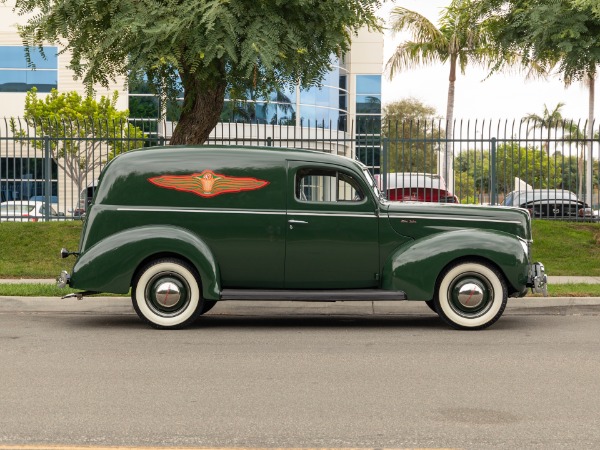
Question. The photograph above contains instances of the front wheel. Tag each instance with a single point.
(166, 293)
(471, 295)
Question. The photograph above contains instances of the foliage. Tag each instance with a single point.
(547, 32)
(591, 5)
(78, 127)
(414, 133)
(460, 39)
(200, 48)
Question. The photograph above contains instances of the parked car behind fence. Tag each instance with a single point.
(418, 187)
(26, 211)
(551, 204)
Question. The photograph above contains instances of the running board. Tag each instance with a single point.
(312, 295)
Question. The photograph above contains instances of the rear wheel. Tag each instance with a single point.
(471, 295)
(166, 293)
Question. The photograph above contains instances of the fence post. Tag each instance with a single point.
(383, 171)
(47, 177)
(493, 173)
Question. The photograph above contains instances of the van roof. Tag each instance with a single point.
(155, 153)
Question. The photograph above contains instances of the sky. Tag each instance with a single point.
(501, 96)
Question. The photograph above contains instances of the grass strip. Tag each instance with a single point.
(41, 290)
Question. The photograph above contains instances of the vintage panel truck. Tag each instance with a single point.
(186, 227)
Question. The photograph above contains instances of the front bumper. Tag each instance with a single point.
(538, 280)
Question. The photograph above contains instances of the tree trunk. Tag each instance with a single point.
(447, 159)
(202, 105)
(590, 135)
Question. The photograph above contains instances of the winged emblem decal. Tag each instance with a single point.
(208, 183)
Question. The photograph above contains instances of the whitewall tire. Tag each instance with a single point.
(471, 295)
(166, 293)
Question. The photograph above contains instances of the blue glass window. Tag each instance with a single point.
(24, 80)
(368, 104)
(13, 57)
(15, 76)
(368, 84)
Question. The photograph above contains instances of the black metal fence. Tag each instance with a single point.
(48, 169)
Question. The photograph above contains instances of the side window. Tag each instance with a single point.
(325, 185)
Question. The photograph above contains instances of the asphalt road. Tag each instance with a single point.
(287, 375)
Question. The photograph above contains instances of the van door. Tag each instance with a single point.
(332, 229)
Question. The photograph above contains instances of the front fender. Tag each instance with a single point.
(110, 264)
(415, 266)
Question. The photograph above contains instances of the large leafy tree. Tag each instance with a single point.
(200, 47)
(555, 34)
(459, 40)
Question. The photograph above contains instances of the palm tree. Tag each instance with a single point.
(547, 120)
(460, 39)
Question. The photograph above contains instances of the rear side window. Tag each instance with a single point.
(327, 186)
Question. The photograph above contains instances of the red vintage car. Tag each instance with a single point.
(418, 187)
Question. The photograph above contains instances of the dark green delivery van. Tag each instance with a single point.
(186, 227)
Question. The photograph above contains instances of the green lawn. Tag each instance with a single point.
(567, 248)
(32, 250)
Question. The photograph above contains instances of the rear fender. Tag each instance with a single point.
(110, 265)
(415, 266)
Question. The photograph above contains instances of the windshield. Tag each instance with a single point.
(372, 183)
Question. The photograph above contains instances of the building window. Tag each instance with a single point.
(326, 106)
(368, 120)
(16, 76)
(23, 178)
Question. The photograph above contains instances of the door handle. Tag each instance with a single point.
(293, 222)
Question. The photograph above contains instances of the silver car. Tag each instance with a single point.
(25, 211)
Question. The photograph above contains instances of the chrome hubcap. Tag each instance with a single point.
(470, 295)
(167, 294)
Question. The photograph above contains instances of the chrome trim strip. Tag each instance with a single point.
(331, 213)
(466, 219)
(248, 211)
(197, 210)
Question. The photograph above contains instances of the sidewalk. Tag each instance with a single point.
(555, 306)
(551, 280)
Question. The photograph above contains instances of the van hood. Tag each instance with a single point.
(422, 219)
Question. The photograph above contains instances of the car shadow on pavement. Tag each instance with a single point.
(218, 321)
